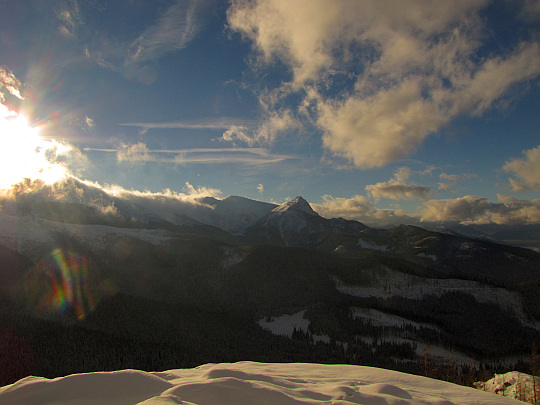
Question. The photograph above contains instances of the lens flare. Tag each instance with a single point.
(60, 285)
(24, 154)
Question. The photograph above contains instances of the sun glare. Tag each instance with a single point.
(24, 154)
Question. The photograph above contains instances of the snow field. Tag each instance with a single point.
(284, 325)
(388, 283)
(246, 383)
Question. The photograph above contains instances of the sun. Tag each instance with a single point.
(24, 154)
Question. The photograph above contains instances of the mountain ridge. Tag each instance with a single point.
(383, 293)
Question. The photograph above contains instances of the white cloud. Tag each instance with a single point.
(514, 211)
(460, 209)
(136, 153)
(139, 153)
(174, 28)
(449, 181)
(208, 123)
(274, 124)
(9, 83)
(171, 30)
(526, 169)
(236, 133)
(360, 208)
(89, 122)
(381, 129)
(397, 188)
(74, 160)
(411, 68)
(69, 18)
(190, 192)
(467, 210)
(472, 209)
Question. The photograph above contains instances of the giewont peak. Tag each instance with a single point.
(298, 204)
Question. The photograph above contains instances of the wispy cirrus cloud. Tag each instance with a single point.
(219, 123)
(172, 31)
(139, 153)
(237, 131)
(69, 18)
(377, 81)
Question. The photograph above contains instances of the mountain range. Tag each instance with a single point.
(85, 272)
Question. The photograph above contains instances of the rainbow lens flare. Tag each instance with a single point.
(60, 285)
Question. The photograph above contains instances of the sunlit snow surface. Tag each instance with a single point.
(246, 383)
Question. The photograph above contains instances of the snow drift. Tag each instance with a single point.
(246, 383)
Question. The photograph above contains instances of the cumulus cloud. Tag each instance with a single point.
(360, 208)
(378, 80)
(514, 211)
(380, 129)
(9, 83)
(236, 133)
(397, 188)
(274, 124)
(467, 208)
(472, 209)
(449, 181)
(527, 169)
(136, 153)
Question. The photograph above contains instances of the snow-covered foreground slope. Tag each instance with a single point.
(246, 383)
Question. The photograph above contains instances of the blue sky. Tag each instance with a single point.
(380, 111)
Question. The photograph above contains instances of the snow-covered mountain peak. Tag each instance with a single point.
(298, 205)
